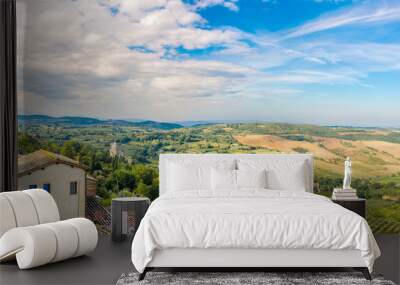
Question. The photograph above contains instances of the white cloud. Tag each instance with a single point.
(367, 12)
(84, 57)
(136, 9)
(317, 77)
(230, 4)
(364, 56)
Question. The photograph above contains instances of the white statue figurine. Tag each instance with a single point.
(347, 174)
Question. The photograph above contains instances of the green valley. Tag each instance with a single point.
(375, 153)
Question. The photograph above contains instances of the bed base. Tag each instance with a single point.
(250, 259)
(363, 270)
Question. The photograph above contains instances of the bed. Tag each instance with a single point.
(246, 211)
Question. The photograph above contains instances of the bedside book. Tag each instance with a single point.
(344, 198)
(340, 190)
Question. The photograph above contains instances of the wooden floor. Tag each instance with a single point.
(110, 260)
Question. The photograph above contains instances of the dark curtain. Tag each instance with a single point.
(8, 97)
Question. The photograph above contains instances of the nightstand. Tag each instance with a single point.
(358, 205)
(126, 214)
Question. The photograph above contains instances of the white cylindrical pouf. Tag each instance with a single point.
(23, 208)
(46, 207)
(7, 218)
(87, 235)
(34, 246)
(67, 240)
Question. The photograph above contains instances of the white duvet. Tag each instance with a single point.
(250, 219)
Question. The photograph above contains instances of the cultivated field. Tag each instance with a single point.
(370, 158)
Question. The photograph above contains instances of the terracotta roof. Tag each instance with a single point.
(90, 177)
(41, 159)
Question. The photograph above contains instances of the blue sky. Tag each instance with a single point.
(300, 61)
(270, 16)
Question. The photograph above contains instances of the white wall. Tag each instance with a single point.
(60, 176)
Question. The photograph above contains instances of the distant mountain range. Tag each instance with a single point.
(142, 123)
(85, 121)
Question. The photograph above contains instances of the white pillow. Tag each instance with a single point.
(223, 179)
(226, 179)
(251, 178)
(193, 175)
(281, 174)
(183, 177)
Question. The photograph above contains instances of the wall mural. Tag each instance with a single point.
(106, 85)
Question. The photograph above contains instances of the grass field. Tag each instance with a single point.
(383, 216)
(380, 226)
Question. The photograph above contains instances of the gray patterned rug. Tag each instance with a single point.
(269, 278)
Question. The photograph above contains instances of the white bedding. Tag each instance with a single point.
(250, 219)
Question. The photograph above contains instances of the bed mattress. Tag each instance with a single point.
(250, 219)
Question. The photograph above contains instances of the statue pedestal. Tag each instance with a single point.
(344, 194)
